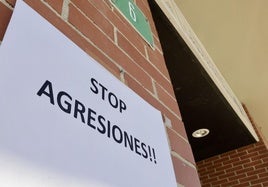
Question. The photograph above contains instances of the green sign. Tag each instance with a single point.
(135, 16)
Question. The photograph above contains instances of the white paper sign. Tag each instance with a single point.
(66, 121)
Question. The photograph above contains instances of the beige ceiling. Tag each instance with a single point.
(235, 34)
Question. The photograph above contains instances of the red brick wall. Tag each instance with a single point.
(246, 166)
(98, 28)
(4, 18)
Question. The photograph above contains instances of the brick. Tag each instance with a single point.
(95, 16)
(244, 170)
(214, 166)
(231, 154)
(178, 126)
(211, 180)
(157, 59)
(247, 166)
(179, 146)
(252, 163)
(204, 177)
(257, 185)
(264, 165)
(206, 173)
(167, 99)
(217, 157)
(263, 152)
(245, 148)
(218, 182)
(256, 149)
(56, 5)
(241, 162)
(204, 163)
(248, 179)
(124, 43)
(103, 6)
(175, 119)
(259, 181)
(224, 167)
(206, 185)
(89, 30)
(234, 168)
(108, 47)
(256, 171)
(163, 82)
(139, 44)
(224, 156)
(236, 177)
(259, 157)
(259, 144)
(157, 44)
(4, 19)
(201, 172)
(237, 154)
(229, 183)
(265, 160)
(244, 184)
(220, 160)
(11, 2)
(263, 175)
(216, 174)
(131, 50)
(185, 175)
(230, 161)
